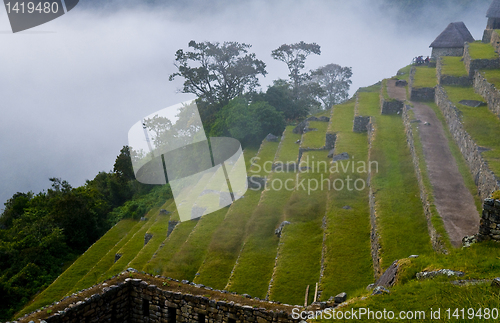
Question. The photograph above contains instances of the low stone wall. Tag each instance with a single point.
(390, 106)
(424, 94)
(454, 51)
(495, 40)
(360, 124)
(424, 196)
(472, 65)
(488, 92)
(489, 227)
(484, 178)
(136, 301)
(444, 79)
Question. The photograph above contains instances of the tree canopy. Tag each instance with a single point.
(335, 81)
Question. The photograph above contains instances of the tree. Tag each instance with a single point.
(217, 73)
(280, 96)
(335, 81)
(294, 56)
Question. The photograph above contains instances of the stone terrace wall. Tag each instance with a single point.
(134, 300)
(390, 106)
(444, 79)
(484, 178)
(472, 65)
(420, 94)
(424, 196)
(489, 228)
(495, 41)
(488, 92)
(360, 124)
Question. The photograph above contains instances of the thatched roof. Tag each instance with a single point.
(494, 10)
(455, 35)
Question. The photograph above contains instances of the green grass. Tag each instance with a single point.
(186, 262)
(338, 124)
(267, 153)
(227, 241)
(289, 150)
(424, 77)
(480, 123)
(372, 88)
(315, 139)
(401, 222)
(80, 267)
(301, 242)
(134, 244)
(479, 50)
(369, 103)
(254, 268)
(453, 66)
(385, 95)
(405, 73)
(480, 261)
(348, 230)
(492, 76)
(169, 247)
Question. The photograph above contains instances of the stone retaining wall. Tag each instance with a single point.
(485, 180)
(424, 196)
(488, 92)
(360, 124)
(423, 94)
(472, 65)
(489, 228)
(444, 79)
(134, 300)
(495, 40)
(390, 106)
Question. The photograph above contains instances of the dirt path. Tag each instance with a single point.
(453, 200)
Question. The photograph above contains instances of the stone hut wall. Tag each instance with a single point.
(453, 51)
(444, 79)
(489, 227)
(484, 178)
(495, 41)
(472, 65)
(424, 94)
(488, 91)
(135, 301)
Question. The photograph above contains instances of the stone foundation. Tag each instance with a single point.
(489, 228)
(135, 300)
(488, 92)
(360, 124)
(484, 178)
(424, 94)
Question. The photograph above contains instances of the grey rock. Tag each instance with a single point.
(343, 156)
(307, 129)
(324, 119)
(389, 276)
(468, 241)
(299, 129)
(279, 230)
(330, 153)
(171, 226)
(370, 287)
(441, 272)
(401, 82)
(117, 256)
(164, 212)
(298, 141)
(132, 270)
(147, 237)
(347, 207)
(413, 256)
(495, 282)
(340, 298)
(185, 281)
(379, 290)
(144, 219)
(416, 121)
(271, 137)
(472, 103)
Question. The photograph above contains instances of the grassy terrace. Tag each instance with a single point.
(227, 241)
(80, 267)
(315, 139)
(348, 230)
(300, 244)
(289, 151)
(424, 77)
(480, 123)
(404, 73)
(368, 103)
(401, 222)
(134, 244)
(453, 66)
(480, 261)
(253, 271)
(479, 50)
(492, 76)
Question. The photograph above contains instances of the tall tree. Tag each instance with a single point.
(294, 56)
(335, 82)
(217, 73)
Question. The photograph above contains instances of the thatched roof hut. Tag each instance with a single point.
(451, 41)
